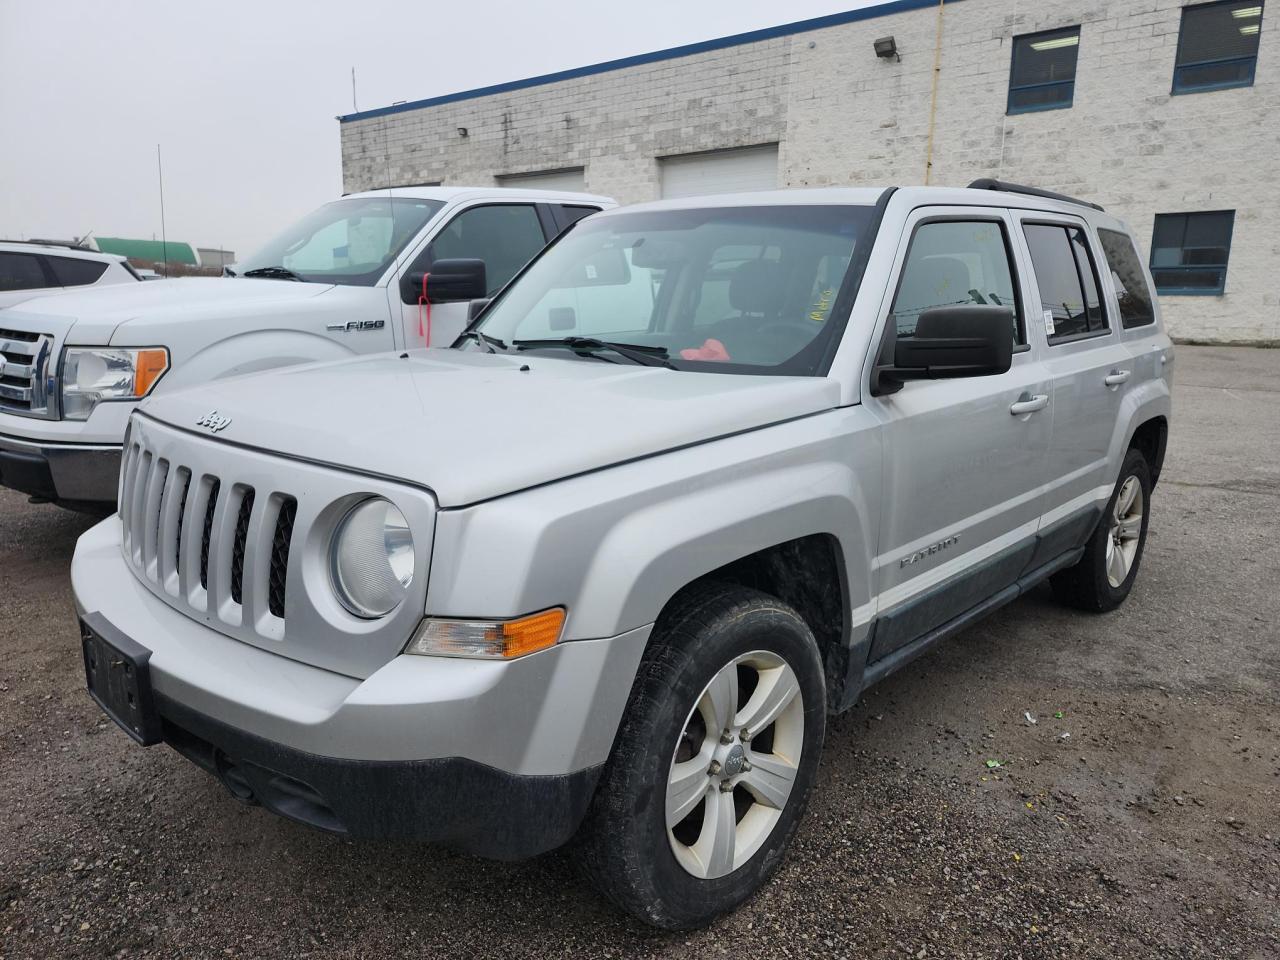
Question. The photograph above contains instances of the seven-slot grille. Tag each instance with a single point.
(24, 373)
(235, 565)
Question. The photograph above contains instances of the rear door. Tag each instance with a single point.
(505, 236)
(965, 459)
(1089, 367)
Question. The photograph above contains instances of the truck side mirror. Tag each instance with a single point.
(448, 281)
(954, 341)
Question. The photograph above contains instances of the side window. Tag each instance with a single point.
(504, 236)
(1066, 279)
(1127, 278)
(76, 273)
(21, 271)
(954, 262)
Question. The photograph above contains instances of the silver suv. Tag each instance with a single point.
(700, 475)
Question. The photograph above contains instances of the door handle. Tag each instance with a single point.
(1115, 378)
(1028, 404)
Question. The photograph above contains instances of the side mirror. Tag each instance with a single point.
(956, 341)
(447, 282)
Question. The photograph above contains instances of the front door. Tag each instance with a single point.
(505, 236)
(964, 458)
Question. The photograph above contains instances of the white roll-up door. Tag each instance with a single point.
(572, 181)
(721, 171)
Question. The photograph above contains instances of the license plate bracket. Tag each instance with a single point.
(117, 672)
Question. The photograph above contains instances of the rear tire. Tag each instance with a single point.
(1103, 577)
(688, 820)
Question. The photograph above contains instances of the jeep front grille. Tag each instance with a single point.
(25, 383)
(237, 539)
(242, 574)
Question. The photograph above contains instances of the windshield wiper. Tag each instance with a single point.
(484, 340)
(643, 354)
(274, 273)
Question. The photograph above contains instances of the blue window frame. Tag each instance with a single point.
(1189, 252)
(1217, 46)
(1042, 75)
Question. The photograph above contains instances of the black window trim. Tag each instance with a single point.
(993, 217)
(1218, 291)
(1010, 109)
(1081, 224)
(1177, 90)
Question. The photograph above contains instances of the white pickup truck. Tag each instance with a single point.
(347, 279)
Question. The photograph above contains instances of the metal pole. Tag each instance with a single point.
(933, 98)
(164, 240)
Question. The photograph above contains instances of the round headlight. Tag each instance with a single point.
(372, 558)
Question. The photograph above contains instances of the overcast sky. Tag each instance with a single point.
(242, 95)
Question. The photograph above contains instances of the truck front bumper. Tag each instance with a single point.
(498, 758)
(69, 473)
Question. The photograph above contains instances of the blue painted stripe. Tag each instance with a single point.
(672, 53)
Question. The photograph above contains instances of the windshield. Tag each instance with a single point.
(728, 289)
(350, 241)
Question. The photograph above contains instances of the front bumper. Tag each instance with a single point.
(64, 472)
(496, 758)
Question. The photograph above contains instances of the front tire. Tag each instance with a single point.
(713, 763)
(1103, 577)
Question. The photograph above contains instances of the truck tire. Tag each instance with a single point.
(1103, 577)
(690, 818)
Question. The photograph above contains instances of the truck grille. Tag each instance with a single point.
(25, 384)
(238, 568)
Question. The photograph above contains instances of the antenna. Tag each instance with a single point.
(164, 240)
(354, 108)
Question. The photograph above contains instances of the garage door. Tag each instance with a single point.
(574, 181)
(721, 171)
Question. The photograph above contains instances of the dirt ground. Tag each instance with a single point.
(1142, 822)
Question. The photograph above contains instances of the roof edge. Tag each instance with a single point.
(670, 53)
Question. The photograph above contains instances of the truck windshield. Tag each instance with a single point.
(726, 289)
(350, 241)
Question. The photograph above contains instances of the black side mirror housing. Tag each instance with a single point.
(949, 342)
(447, 282)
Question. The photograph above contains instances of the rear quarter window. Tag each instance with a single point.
(76, 273)
(1132, 292)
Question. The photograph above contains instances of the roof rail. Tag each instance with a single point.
(987, 183)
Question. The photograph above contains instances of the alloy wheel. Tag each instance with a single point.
(1125, 531)
(734, 764)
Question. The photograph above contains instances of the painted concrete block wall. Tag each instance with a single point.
(844, 117)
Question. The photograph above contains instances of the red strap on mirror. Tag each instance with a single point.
(424, 312)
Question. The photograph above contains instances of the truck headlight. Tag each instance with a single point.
(488, 639)
(372, 558)
(91, 375)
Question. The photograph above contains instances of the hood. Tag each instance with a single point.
(96, 313)
(471, 426)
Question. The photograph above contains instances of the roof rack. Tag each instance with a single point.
(987, 183)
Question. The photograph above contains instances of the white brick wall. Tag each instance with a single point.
(844, 117)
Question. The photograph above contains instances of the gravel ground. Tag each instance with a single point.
(1152, 830)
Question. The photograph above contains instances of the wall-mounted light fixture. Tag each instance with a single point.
(462, 131)
(887, 48)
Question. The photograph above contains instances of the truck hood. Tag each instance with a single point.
(471, 426)
(93, 316)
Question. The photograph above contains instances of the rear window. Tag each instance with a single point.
(1127, 277)
(76, 273)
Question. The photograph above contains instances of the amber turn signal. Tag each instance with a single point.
(488, 639)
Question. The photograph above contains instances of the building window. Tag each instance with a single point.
(1043, 74)
(1189, 252)
(1217, 46)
